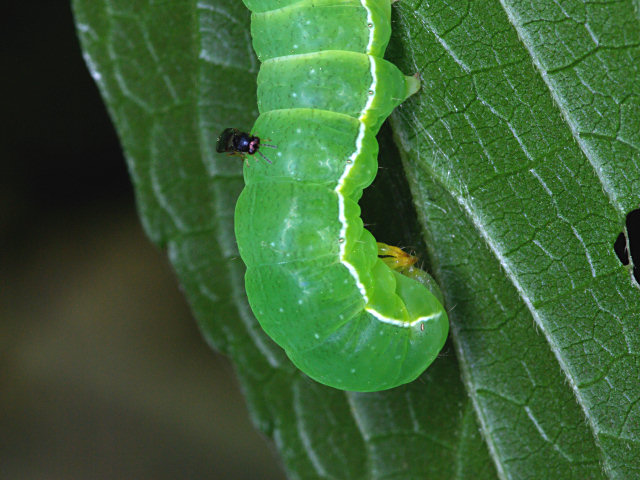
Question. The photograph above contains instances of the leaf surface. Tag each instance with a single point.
(523, 150)
(522, 156)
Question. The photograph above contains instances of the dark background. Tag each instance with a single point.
(103, 373)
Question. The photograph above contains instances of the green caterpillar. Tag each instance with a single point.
(344, 316)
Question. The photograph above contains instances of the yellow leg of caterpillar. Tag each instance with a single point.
(395, 258)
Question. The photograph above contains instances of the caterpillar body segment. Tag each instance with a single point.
(314, 278)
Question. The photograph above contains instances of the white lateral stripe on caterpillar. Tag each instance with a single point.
(400, 323)
(372, 89)
(342, 217)
(345, 174)
(369, 22)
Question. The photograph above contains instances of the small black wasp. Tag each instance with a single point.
(237, 142)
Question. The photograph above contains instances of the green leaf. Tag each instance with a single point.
(523, 149)
(522, 153)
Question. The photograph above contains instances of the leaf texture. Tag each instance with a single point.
(522, 152)
(173, 75)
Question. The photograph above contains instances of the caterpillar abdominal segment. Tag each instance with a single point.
(314, 280)
(237, 142)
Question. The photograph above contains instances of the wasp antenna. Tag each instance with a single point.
(267, 145)
(262, 155)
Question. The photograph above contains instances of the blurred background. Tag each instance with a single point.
(103, 373)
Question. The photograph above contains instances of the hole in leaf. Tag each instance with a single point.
(620, 248)
(627, 245)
